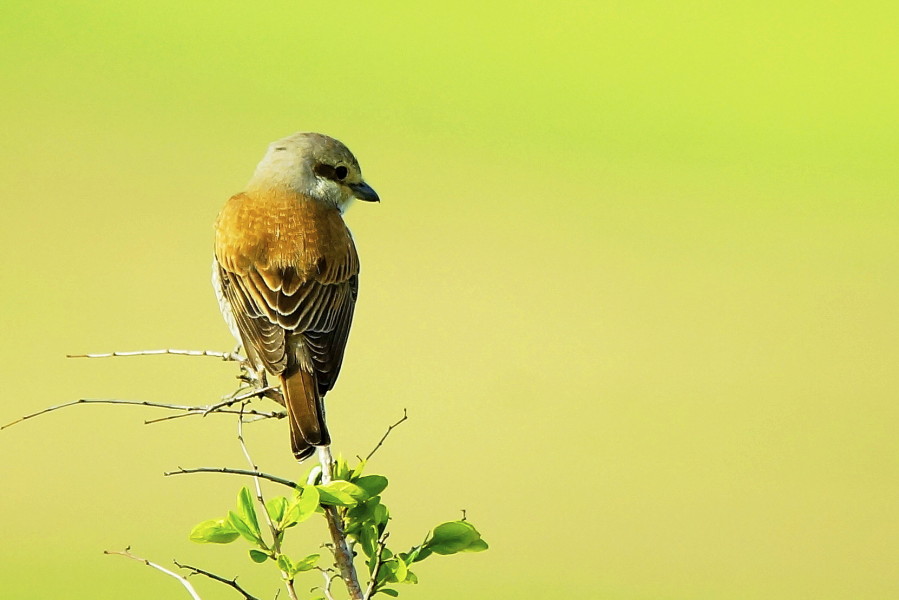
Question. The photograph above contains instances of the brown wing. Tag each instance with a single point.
(305, 329)
(263, 340)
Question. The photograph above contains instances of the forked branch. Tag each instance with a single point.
(182, 580)
(229, 582)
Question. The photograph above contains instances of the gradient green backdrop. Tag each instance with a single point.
(634, 276)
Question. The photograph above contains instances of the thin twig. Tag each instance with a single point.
(226, 356)
(342, 554)
(187, 410)
(230, 582)
(201, 411)
(382, 542)
(384, 437)
(276, 534)
(257, 392)
(274, 478)
(182, 580)
(329, 576)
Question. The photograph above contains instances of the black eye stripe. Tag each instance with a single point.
(323, 170)
(338, 173)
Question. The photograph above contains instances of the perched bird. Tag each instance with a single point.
(286, 273)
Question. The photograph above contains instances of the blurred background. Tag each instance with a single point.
(635, 277)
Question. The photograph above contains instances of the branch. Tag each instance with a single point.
(231, 582)
(276, 533)
(382, 542)
(235, 398)
(274, 478)
(190, 589)
(186, 410)
(342, 554)
(384, 437)
(329, 576)
(226, 356)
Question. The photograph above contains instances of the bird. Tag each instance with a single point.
(286, 273)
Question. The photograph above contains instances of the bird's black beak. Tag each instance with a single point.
(363, 191)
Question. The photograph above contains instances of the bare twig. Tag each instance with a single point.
(260, 474)
(384, 437)
(329, 576)
(237, 398)
(342, 554)
(382, 542)
(226, 356)
(201, 411)
(276, 534)
(187, 411)
(182, 580)
(230, 582)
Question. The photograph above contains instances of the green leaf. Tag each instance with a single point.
(358, 470)
(276, 507)
(411, 578)
(423, 553)
(341, 493)
(363, 513)
(389, 592)
(301, 508)
(242, 527)
(400, 570)
(411, 556)
(478, 545)
(258, 556)
(381, 514)
(341, 468)
(372, 484)
(453, 537)
(308, 501)
(214, 531)
(285, 565)
(306, 564)
(368, 539)
(246, 510)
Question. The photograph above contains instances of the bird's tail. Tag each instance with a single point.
(305, 412)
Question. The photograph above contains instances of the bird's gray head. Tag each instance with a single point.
(314, 165)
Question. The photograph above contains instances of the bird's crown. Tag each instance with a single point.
(313, 165)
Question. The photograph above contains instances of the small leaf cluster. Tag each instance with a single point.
(357, 500)
(366, 518)
(244, 522)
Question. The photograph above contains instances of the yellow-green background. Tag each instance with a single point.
(635, 276)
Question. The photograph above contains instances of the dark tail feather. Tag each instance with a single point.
(305, 413)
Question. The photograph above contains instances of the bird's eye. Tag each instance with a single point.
(341, 172)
